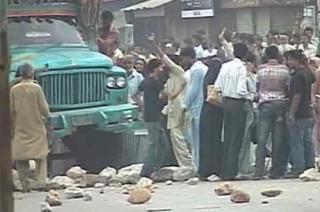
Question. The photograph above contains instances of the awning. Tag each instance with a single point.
(150, 4)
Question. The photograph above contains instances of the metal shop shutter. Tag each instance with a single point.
(263, 17)
(244, 23)
(283, 18)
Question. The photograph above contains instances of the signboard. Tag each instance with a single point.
(258, 3)
(197, 8)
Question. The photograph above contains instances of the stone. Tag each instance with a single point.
(214, 178)
(183, 173)
(159, 209)
(61, 182)
(53, 198)
(89, 180)
(101, 191)
(130, 174)
(107, 174)
(173, 173)
(169, 182)
(144, 183)
(45, 207)
(16, 180)
(76, 173)
(271, 192)
(87, 196)
(193, 181)
(224, 189)
(99, 185)
(73, 193)
(238, 196)
(310, 175)
(139, 196)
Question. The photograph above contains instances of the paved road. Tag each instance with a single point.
(297, 197)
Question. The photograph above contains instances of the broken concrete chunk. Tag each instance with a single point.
(61, 182)
(224, 189)
(74, 192)
(139, 196)
(130, 174)
(76, 172)
(271, 192)
(87, 196)
(239, 196)
(193, 181)
(107, 174)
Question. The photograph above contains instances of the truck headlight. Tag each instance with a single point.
(111, 82)
(121, 82)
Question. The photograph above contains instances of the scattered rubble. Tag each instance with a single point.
(271, 192)
(265, 202)
(224, 189)
(130, 174)
(101, 191)
(45, 207)
(53, 199)
(74, 192)
(87, 196)
(193, 181)
(128, 188)
(61, 182)
(139, 196)
(214, 178)
(107, 174)
(310, 175)
(239, 196)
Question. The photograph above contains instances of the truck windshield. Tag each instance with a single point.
(44, 30)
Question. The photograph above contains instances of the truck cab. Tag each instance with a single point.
(84, 88)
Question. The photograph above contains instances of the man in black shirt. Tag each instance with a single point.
(300, 118)
(157, 140)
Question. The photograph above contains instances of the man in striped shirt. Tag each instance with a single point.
(272, 83)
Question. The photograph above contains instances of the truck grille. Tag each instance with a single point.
(73, 89)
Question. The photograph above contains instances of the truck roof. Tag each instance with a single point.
(48, 9)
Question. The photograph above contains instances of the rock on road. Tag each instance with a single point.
(297, 196)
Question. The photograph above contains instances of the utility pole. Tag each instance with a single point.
(6, 185)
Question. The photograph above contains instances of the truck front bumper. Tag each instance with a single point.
(115, 118)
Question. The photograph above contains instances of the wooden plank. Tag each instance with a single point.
(6, 185)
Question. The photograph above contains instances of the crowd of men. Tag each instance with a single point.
(267, 95)
(216, 100)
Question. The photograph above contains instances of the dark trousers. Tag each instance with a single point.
(234, 126)
(272, 120)
(157, 149)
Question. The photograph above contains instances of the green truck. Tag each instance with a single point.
(86, 92)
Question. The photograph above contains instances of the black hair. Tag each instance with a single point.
(153, 64)
(240, 50)
(175, 58)
(107, 16)
(188, 52)
(309, 29)
(272, 52)
(250, 57)
(295, 54)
